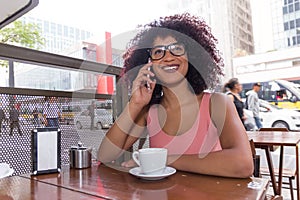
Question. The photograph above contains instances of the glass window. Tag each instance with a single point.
(297, 6)
(77, 34)
(82, 35)
(290, 1)
(286, 26)
(294, 40)
(291, 8)
(298, 22)
(289, 42)
(66, 31)
(59, 29)
(285, 2)
(285, 10)
(46, 26)
(53, 28)
(72, 32)
(289, 95)
(292, 24)
(298, 39)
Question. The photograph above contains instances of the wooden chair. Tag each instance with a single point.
(256, 160)
(283, 129)
(286, 173)
(256, 173)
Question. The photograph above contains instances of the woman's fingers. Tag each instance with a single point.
(142, 81)
(144, 77)
(146, 71)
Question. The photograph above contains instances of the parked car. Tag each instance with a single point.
(273, 116)
(103, 119)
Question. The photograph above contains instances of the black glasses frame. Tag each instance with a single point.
(165, 48)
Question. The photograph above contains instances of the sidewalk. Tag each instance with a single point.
(285, 193)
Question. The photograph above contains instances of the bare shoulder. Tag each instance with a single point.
(218, 108)
(218, 98)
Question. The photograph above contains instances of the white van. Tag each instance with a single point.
(273, 116)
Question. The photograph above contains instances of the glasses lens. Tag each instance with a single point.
(157, 53)
(177, 49)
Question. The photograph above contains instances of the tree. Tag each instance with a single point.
(20, 34)
(26, 35)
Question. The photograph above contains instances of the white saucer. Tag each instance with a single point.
(168, 171)
(5, 170)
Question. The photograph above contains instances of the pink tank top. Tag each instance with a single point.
(202, 138)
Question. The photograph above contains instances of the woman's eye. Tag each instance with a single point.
(178, 48)
(158, 51)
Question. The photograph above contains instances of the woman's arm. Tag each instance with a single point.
(130, 125)
(122, 135)
(235, 158)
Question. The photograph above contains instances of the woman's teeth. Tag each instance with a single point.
(170, 68)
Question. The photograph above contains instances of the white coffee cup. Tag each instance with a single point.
(151, 160)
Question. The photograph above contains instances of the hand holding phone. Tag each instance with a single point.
(147, 83)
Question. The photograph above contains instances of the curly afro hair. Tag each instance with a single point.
(205, 63)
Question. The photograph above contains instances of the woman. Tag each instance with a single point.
(177, 58)
(235, 88)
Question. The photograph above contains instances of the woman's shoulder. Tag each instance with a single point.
(218, 97)
(218, 107)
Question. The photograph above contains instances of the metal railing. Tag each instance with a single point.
(15, 148)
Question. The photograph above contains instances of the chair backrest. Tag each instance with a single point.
(274, 129)
(281, 129)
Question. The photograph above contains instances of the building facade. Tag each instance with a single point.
(283, 61)
(230, 22)
(280, 64)
(286, 23)
(58, 37)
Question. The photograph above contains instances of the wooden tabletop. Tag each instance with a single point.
(275, 137)
(108, 183)
(20, 188)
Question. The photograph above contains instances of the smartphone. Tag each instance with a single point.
(147, 83)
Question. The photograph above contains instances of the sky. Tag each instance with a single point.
(115, 16)
(121, 16)
(262, 25)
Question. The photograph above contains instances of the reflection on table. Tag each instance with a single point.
(109, 182)
(20, 188)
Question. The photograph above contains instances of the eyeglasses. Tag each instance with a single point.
(158, 52)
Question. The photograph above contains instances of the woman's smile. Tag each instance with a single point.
(170, 68)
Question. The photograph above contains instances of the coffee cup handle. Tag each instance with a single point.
(135, 157)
